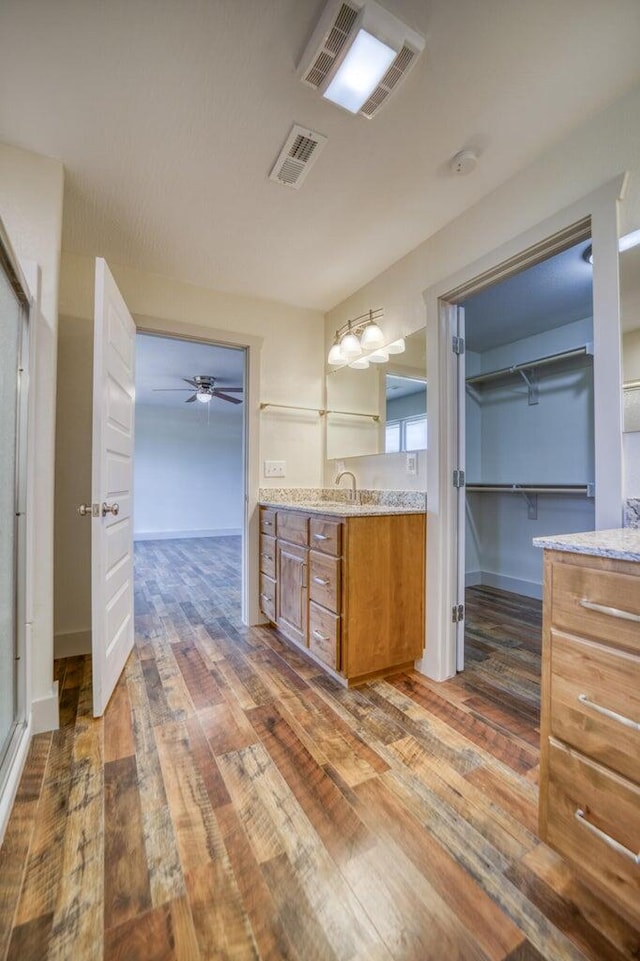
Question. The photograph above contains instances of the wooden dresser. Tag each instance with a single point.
(347, 590)
(590, 725)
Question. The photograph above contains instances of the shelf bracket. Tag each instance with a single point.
(532, 505)
(473, 393)
(532, 385)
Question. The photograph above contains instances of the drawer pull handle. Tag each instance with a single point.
(620, 718)
(269, 557)
(320, 537)
(265, 597)
(320, 637)
(268, 523)
(611, 611)
(620, 848)
(320, 580)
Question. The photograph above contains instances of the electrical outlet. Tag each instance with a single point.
(274, 468)
(339, 466)
(412, 463)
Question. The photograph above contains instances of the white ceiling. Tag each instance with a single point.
(163, 362)
(168, 117)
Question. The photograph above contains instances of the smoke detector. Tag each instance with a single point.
(301, 150)
(463, 163)
(358, 55)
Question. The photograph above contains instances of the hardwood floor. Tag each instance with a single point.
(234, 802)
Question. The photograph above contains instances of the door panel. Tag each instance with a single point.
(112, 481)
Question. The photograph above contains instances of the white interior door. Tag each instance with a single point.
(462, 498)
(111, 485)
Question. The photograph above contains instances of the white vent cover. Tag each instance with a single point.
(332, 37)
(300, 152)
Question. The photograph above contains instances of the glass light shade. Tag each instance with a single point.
(360, 72)
(361, 363)
(629, 241)
(397, 347)
(204, 397)
(350, 346)
(379, 357)
(371, 337)
(335, 355)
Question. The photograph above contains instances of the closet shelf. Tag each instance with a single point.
(587, 490)
(567, 359)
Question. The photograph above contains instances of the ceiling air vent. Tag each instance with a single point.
(298, 155)
(396, 72)
(327, 43)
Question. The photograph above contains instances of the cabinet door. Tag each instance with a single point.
(292, 591)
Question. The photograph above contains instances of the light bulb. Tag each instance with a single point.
(203, 396)
(335, 355)
(397, 347)
(360, 363)
(379, 357)
(350, 346)
(371, 337)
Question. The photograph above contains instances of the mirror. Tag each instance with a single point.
(362, 403)
(630, 322)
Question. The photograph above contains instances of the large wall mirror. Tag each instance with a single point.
(630, 321)
(382, 409)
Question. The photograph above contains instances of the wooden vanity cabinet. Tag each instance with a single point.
(590, 723)
(349, 590)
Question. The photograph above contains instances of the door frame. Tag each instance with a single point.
(252, 346)
(600, 210)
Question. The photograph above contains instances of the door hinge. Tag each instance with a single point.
(457, 613)
(458, 477)
(457, 345)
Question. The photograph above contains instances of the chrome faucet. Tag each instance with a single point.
(353, 493)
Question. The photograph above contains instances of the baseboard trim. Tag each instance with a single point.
(72, 644)
(44, 712)
(473, 578)
(516, 585)
(179, 535)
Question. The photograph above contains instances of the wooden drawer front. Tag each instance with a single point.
(595, 701)
(324, 635)
(268, 597)
(609, 804)
(293, 527)
(268, 555)
(616, 615)
(267, 521)
(325, 535)
(324, 580)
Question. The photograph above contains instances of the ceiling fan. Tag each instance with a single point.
(205, 388)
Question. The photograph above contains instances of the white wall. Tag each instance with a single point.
(188, 471)
(31, 208)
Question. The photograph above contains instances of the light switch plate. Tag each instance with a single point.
(412, 463)
(274, 468)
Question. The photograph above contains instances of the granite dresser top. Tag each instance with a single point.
(326, 500)
(621, 544)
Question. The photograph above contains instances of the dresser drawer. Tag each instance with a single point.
(324, 580)
(268, 555)
(293, 527)
(267, 521)
(324, 635)
(594, 820)
(595, 701)
(268, 597)
(595, 603)
(325, 535)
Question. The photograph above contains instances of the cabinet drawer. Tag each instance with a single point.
(594, 603)
(267, 521)
(594, 820)
(324, 580)
(325, 535)
(268, 555)
(595, 701)
(268, 597)
(324, 635)
(293, 527)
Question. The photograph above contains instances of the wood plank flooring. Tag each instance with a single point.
(236, 803)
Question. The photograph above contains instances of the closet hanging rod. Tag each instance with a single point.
(319, 410)
(587, 350)
(588, 490)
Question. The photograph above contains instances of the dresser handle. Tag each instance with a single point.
(611, 611)
(268, 523)
(320, 580)
(320, 537)
(320, 637)
(265, 597)
(620, 718)
(268, 556)
(620, 848)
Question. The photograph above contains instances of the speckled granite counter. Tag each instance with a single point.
(622, 543)
(632, 512)
(326, 500)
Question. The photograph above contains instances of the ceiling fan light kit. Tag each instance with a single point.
(204, 387)
(360, 341)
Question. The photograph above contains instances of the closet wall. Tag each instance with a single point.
(509, 441)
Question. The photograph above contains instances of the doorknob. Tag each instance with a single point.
(110, 509)
(88, 510)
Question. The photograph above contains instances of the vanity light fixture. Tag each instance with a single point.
(355, 337)
(360, 363)
(397, 347)
(624, 243)
(379, 356)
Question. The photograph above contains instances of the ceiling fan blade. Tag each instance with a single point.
(231, 390)
(232, 400)
(193, 383)
(191, 399)
(171, 388)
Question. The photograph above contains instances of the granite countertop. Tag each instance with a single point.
(336, 502)
(622, 543)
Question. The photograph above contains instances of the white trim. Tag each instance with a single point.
(438, 661)
(72, 644)
(179, 535)
(44, 712)
(10, 787)
(252, 345)
(516, 585)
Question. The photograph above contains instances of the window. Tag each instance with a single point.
(406, 433)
